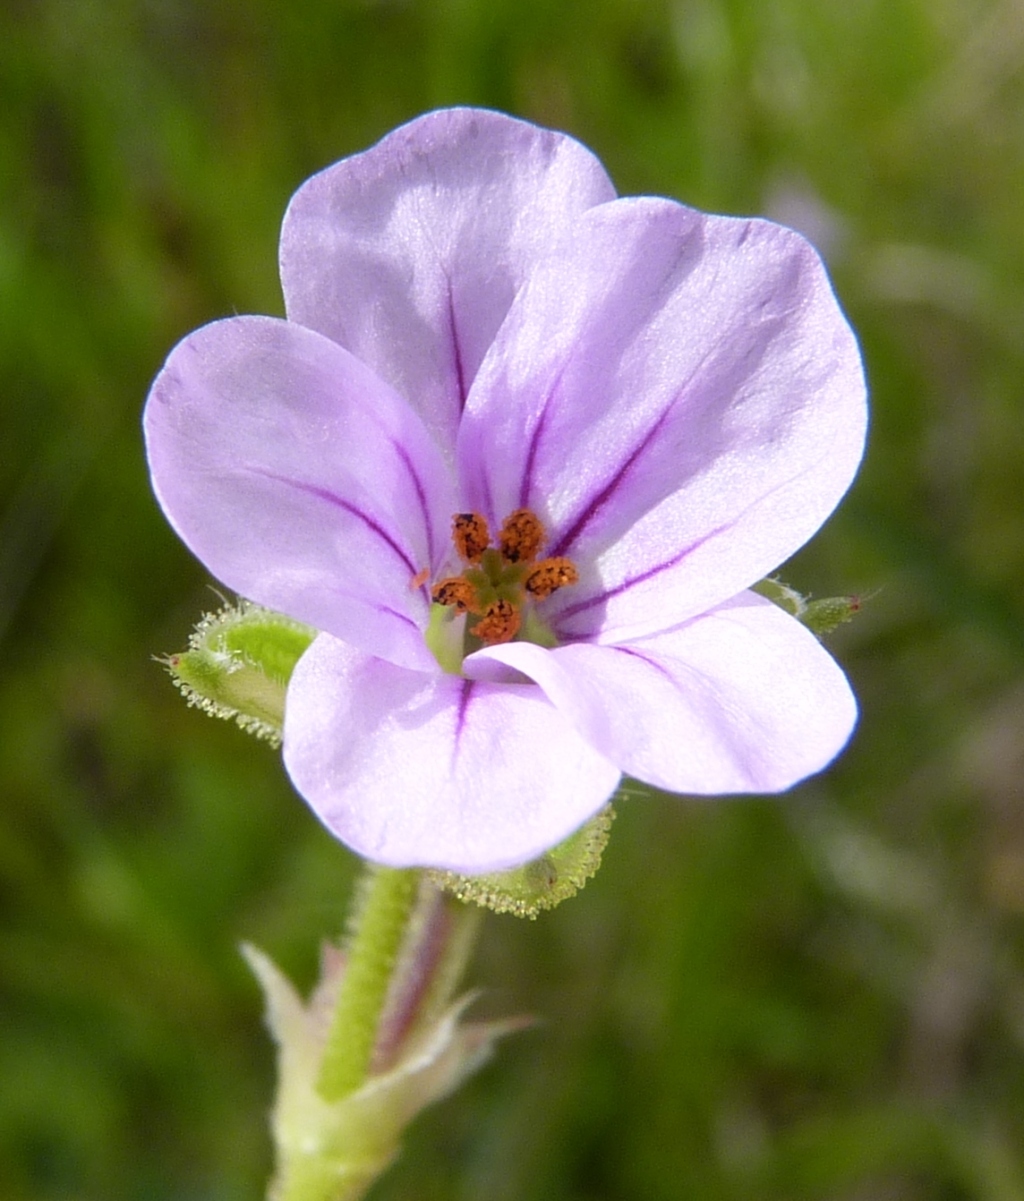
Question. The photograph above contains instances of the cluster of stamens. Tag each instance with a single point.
(498, 581)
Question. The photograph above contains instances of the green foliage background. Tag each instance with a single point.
(820, 997)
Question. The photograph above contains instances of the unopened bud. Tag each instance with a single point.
(820, 616)
(238, 664)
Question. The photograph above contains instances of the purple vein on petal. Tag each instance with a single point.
(526, 485)
(421, 496)
(487, 496)
(595, 505)
(403, 617)
(590, 510)
(531, 455)
(600, 597)
(465, 692)
(460, 370)
(652, 663)
(642, 578)
(340, 503)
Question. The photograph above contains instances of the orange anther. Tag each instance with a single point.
(549, 575)
(470, 535)
(499, 624)
(522, 535)
(457, 592)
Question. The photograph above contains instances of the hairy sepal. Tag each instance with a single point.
(238, 664)
(540, 884)
(819, 616)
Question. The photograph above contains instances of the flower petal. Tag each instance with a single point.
(681, 400)
(742, 699)
(301, 480)
(410, 253)
(411, 769)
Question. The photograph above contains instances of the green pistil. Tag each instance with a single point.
(446, 638)
(495, 579)
(535, 630)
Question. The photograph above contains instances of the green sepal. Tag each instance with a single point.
(238, 664)
(445, 637)
(541, 884)
(820, 616)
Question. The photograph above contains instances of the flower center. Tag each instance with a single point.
(498, 583)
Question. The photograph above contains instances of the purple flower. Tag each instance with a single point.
(477, 326)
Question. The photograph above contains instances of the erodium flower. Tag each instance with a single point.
(519, 451)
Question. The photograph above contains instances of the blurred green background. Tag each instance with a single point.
(819, 997)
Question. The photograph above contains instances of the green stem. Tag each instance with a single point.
(378, 928)
(439, 941)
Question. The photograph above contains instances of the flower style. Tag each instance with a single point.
(638, 407)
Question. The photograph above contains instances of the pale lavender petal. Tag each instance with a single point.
(680, 398)
(411, 769)
(410, 253)
(742, 699)
(301, 480)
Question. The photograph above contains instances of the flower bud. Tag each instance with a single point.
(238, 664)
(823, 616)
(820, 616)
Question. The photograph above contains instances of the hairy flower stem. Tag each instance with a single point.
(377, 931)
(438, 942)
(378, 1040)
